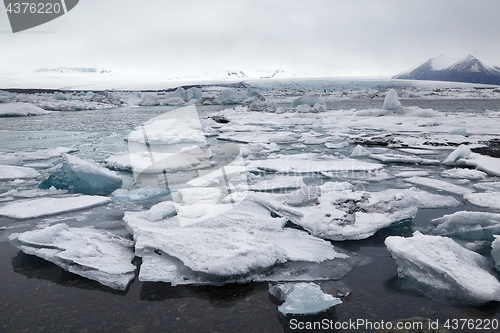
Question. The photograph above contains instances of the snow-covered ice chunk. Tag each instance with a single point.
(495, 252)
(95, 254)
(413, 173)
(486, 199)
(459, 153)
(10, 172)
(263, 106)
(193, 93)
(119, 162)
(191, 196)
(464, 174)
(391, 101)
(161, 211)
(469, 226)
(230, 96)
(310, 100)
(441, 263)
(277, 183)
(488, 164)
(27, 209)
(359, 151)
(489, 186)
(338, 214)
(460, 131)
(140, 194)
(438, 185)
(398, 158)
(310, 163)
(303, 108)
(302, 298)
(82, 176)
(226, 240)
(21, 109)
(149, 100)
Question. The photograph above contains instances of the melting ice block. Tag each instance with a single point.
(442, 264)
(302, 298)
(32, 208)
(469, 226)
(391, 101)
(95, 254)
(10, 172)
(82, 177)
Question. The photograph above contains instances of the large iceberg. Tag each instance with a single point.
(444, 265)
(391, 101)
(82, 176)
(302, 298)
(310, 100)
(95, 254)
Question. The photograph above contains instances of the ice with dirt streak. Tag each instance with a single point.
(445, 266)
(94, 254)
(334, 211)
(302, 298)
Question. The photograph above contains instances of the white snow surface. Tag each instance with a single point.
(441, 263)
(10, 172)
(302, 298)
(32, 208)
(95, 254)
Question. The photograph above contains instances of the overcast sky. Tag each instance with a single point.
(342, 38)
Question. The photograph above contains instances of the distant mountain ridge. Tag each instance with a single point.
(469, 69)
(71, 70)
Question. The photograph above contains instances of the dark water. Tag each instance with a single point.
(37, 296)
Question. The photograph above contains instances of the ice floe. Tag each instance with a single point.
(444, 265)
(92, 253)
(10, 172)
(32, 208)
(495, 252)
(464, 174)
(333, 211)
(82, 176)
(469, 226)
(302, 298)
(21, 109)
(486, 199)
(310, 163)
(220, 242)
(490, 186)
(439, 185)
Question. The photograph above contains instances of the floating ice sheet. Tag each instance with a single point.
(469, 226)
(32, 208)
(487, 199)
(439, 185)
(442, 264)
(10, 172)
(21, 109)
(464, 174)
(95, 254)
(302, 298)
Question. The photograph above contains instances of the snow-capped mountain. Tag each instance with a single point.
(468, 69)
